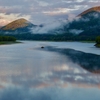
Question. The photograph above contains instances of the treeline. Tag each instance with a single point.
(54, 37)
(57, 37)
(50, 37)
(7, 38)
(97, 42)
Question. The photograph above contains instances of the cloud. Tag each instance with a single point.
(40, 10)
(75, 31)
(7, 18)
(48, 27)
(57, 11)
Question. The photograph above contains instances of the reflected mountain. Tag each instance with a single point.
(88, 61)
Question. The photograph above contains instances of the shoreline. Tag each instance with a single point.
(97, 45)
(60, 41)
(9, 42)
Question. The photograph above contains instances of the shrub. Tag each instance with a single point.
(7, 38)
(98, 40)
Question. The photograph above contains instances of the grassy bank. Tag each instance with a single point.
(87, 41)
(97, 45)
(8, 42)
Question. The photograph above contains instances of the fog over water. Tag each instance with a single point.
(28, 72)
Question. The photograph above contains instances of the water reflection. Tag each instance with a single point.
(49, 94)
(27, 72)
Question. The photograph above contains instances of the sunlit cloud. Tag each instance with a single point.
(58, 11)
(7, 18)
(39, 10)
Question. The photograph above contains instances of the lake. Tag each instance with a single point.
(28, 72)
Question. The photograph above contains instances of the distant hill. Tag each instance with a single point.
(85, 26)
(87, 22)
(18, 26)
(94, 9)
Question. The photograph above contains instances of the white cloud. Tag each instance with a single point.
(41, 10)
(5, 19)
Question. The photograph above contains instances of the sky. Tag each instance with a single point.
(42, 11)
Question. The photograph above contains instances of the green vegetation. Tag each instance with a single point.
(88, 25)
(97, 41)
(52, 37)
(7, 39)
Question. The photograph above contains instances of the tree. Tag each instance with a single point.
(98, 40)
(7, 38)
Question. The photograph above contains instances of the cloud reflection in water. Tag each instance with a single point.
(33, 74)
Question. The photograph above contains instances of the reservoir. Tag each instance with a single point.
(29, 72)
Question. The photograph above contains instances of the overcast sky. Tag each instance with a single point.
(42, 11)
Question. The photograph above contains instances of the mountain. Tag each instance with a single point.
(94, 9)
(86, 25)
(22, 26)
(18, 26)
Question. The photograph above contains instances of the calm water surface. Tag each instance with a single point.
(27, 73)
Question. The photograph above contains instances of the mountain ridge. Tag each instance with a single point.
(84, 27)
(18, 26)
(95, 9)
